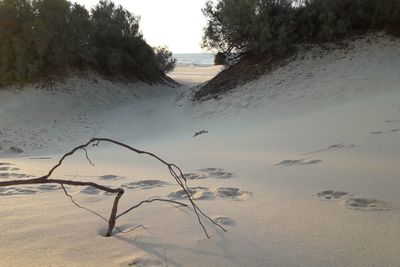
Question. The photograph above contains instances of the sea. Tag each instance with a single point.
(195, 59)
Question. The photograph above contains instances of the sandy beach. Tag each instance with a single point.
(301, 166)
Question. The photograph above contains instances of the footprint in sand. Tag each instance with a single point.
(367, 204)
(197, 193)
(225, 221)
(203, 193)
(194, 176)
(384, 132)
(5, 166)
(145, 262)
(144, 184)
(331, 195)
(5, 175)
(352, 202)
(216, 173)
(11, 191)
(7, 170)
(48, 187)
(30, 190)
(298, 162)
(231, 193)
(110, 177)
(89, 190)
(220, 174)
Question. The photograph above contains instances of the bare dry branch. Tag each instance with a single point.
(149, 201)
(81, 207)
(174, 170)
(87, 157)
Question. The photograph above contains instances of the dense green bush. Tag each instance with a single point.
(219, 59)
(274, 26)
(165, 59)
(42, 37)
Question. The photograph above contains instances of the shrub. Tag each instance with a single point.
(40, 37)
(274, 26)
(166, 61)
(220, 59)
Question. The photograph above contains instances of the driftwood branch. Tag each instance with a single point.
(174, 170)
(81, 207)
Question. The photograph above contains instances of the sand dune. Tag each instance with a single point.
(301, 167)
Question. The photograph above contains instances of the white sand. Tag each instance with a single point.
(301, 166)
(194, 75)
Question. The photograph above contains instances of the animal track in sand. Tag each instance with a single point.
(294, 162)
(89, 190)
(203, 193)
(14, 175)
(226, 221)
(367, 204)
(353, 202)
(110, 177)
(334, 146)
(197, 193)
(231, 193)
(145, 262)
(48, 187)
(10, 191)
(217, 173)
(331, 195)
(385, 132)
(144, 184)
(220, 174)
(194, 176)
(8, 171)
(209, 169)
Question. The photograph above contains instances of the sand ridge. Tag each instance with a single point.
(290, 167)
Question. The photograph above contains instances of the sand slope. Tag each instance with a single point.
(301, 166)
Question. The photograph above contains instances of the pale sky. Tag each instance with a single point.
(177, 24)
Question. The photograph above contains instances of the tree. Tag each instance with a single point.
(166, 61)
(79, 31)
(242, 26)
(16, 59)
(273, 27)
(40, 38)
(50, 34)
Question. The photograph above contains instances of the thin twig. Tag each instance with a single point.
(149, 201)
(81, 207)
(180, 179)
(87, 157)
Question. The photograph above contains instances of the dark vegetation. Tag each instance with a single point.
(39, 38)
(262, 32)
(166, 62)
